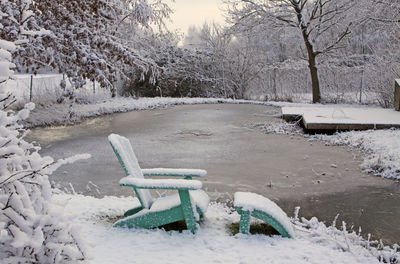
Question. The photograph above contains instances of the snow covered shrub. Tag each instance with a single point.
(189, 73)
(85, 40)
(186, 73)
(32, 227)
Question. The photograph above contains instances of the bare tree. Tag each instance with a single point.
(319, 22)
(235, 61)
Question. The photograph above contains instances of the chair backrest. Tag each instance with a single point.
(127, 158)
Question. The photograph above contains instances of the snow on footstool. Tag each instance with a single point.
(250, 204)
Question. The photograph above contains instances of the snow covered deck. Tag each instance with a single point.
(343, 118)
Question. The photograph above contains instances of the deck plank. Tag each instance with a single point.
(343, 118)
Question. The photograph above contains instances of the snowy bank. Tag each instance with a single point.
(314, 243)
(381, 149)
(56, 114)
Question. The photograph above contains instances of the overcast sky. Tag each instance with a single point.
(195, 12)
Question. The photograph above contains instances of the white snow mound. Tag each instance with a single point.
(213, 243)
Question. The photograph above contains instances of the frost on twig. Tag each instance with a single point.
(344, 239)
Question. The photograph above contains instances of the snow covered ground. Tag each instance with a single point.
(213, 243)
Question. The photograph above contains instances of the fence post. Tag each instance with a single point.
(94, 86)
(362, 84)
(274, 84)
(363, 66)
(30, 89)
(397, 94)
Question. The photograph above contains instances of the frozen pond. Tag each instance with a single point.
(238, 157)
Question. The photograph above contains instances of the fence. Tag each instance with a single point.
(44, 88)
(338, 85)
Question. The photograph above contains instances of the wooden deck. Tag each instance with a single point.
(340, 118)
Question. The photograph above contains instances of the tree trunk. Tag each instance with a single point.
(312, 63)
(316, 94)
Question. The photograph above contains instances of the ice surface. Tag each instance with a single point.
(42, 116)
(381, 149)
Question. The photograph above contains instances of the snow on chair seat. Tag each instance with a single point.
(250, 204)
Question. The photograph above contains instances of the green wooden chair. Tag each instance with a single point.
(189, 204)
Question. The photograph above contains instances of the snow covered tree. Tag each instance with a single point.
(185, 71)
(32, 227)
(235, 59)
(189, 72)
(192, 38)
(86, 41)
(319, 22)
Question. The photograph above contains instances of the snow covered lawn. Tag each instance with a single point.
(314, 243)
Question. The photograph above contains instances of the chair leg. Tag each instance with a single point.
(188, 210)
(244, 226)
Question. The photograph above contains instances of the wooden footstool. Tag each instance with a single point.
(250, 204)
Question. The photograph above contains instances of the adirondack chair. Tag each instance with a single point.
(189, 204)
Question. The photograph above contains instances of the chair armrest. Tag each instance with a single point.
(170, 184)
(174, 172)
